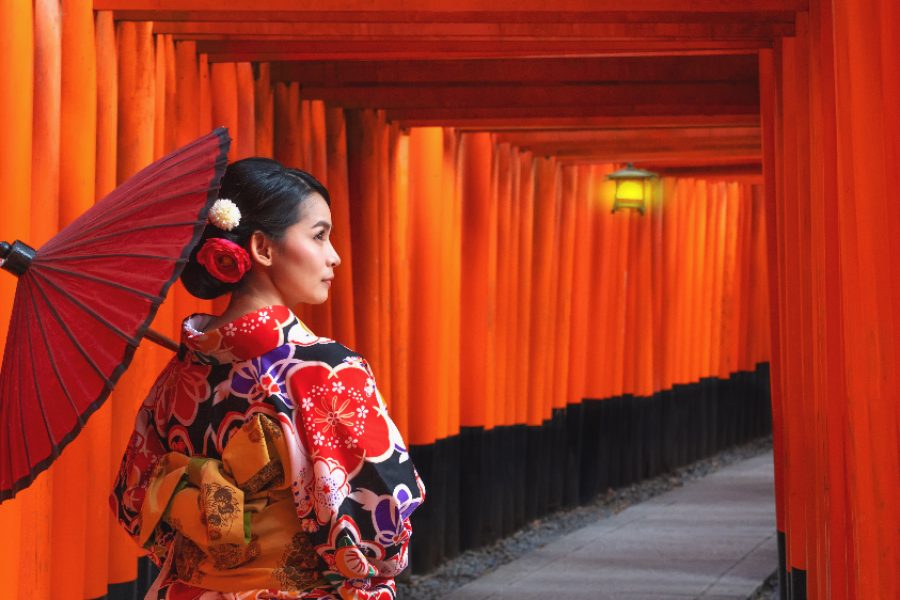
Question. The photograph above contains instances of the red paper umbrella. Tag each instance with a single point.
(87, 297)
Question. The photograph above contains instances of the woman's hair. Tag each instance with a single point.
(269, 196)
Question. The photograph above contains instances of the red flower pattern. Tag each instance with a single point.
(182, 387)
(341, 414)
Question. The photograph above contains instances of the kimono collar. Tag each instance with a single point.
(244, 338)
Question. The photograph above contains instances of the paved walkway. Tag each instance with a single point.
(712, 538)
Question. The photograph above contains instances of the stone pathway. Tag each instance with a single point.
(712, 538)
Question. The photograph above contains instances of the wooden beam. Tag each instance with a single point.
(649, 136)
(739, 148)
(750, 173)
(263, 13)
(237, 50)
(739, 67)
(460, 6)
(664, 141)
(438, 116)
(620, 148)
(734, 30)
(633, 98)
(647, 49)
(699, 158)
(506, 123)
(753, 169)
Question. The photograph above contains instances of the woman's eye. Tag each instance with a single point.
(321, 236)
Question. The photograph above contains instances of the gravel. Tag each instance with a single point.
(474, 563)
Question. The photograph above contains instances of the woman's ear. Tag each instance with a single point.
(261, 248)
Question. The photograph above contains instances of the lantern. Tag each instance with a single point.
(632, 188)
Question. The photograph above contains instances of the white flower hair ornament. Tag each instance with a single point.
(225, 214)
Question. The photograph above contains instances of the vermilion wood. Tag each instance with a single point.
(478, 255)
(661, 160)
(535, 113)
(655, 136)
(505, 123)
(662, 45)
(545, 71)
(799, 205)
(769, 122)
(634, 96)
(46, 132)
(563, 286)
(622, 151)
(644, 48)
(644, 148)
(737, 155)
(264, 14)
(832, 390)
(750, 169)
(235, 50)
(424, 168)
(546, 202)
(471, 31)
(505, 276)
(363, 160)
(452, 6)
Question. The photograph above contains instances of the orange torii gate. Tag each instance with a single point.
(466, 148)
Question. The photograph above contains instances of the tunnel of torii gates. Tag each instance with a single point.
(535, 348)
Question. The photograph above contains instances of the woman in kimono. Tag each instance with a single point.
(263, 463)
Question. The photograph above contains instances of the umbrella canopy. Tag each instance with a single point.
(86, 298)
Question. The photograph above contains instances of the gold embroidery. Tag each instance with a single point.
(272, 472)
(176, 524)
(298, 568)
(188, 557)
(251, 428)
(271, 428)
(229, 556)
(218, 508)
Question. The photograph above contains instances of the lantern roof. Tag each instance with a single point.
(631, 172)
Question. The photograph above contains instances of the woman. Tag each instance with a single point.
(263, 463)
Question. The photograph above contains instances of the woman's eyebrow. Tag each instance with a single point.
(324, 224)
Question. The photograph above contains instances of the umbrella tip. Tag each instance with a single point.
(4, 249)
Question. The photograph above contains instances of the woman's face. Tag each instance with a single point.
(303, 261)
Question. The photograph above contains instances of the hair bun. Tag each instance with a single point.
(197, 279)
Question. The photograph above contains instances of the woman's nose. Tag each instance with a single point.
(335, 259)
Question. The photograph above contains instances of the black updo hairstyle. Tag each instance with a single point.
(269, 196)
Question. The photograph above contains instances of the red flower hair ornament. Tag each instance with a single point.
(225, 260)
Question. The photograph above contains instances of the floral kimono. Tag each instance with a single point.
(263, 464)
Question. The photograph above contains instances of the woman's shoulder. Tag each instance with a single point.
(331, 362)
(328, 351)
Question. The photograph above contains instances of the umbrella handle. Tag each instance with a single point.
(161, 340)
(16, 257)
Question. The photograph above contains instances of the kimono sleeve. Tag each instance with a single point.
(359, 488)
(146, 447)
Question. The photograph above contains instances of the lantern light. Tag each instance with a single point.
(632, 188)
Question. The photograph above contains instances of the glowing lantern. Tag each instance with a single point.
(632, 188)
